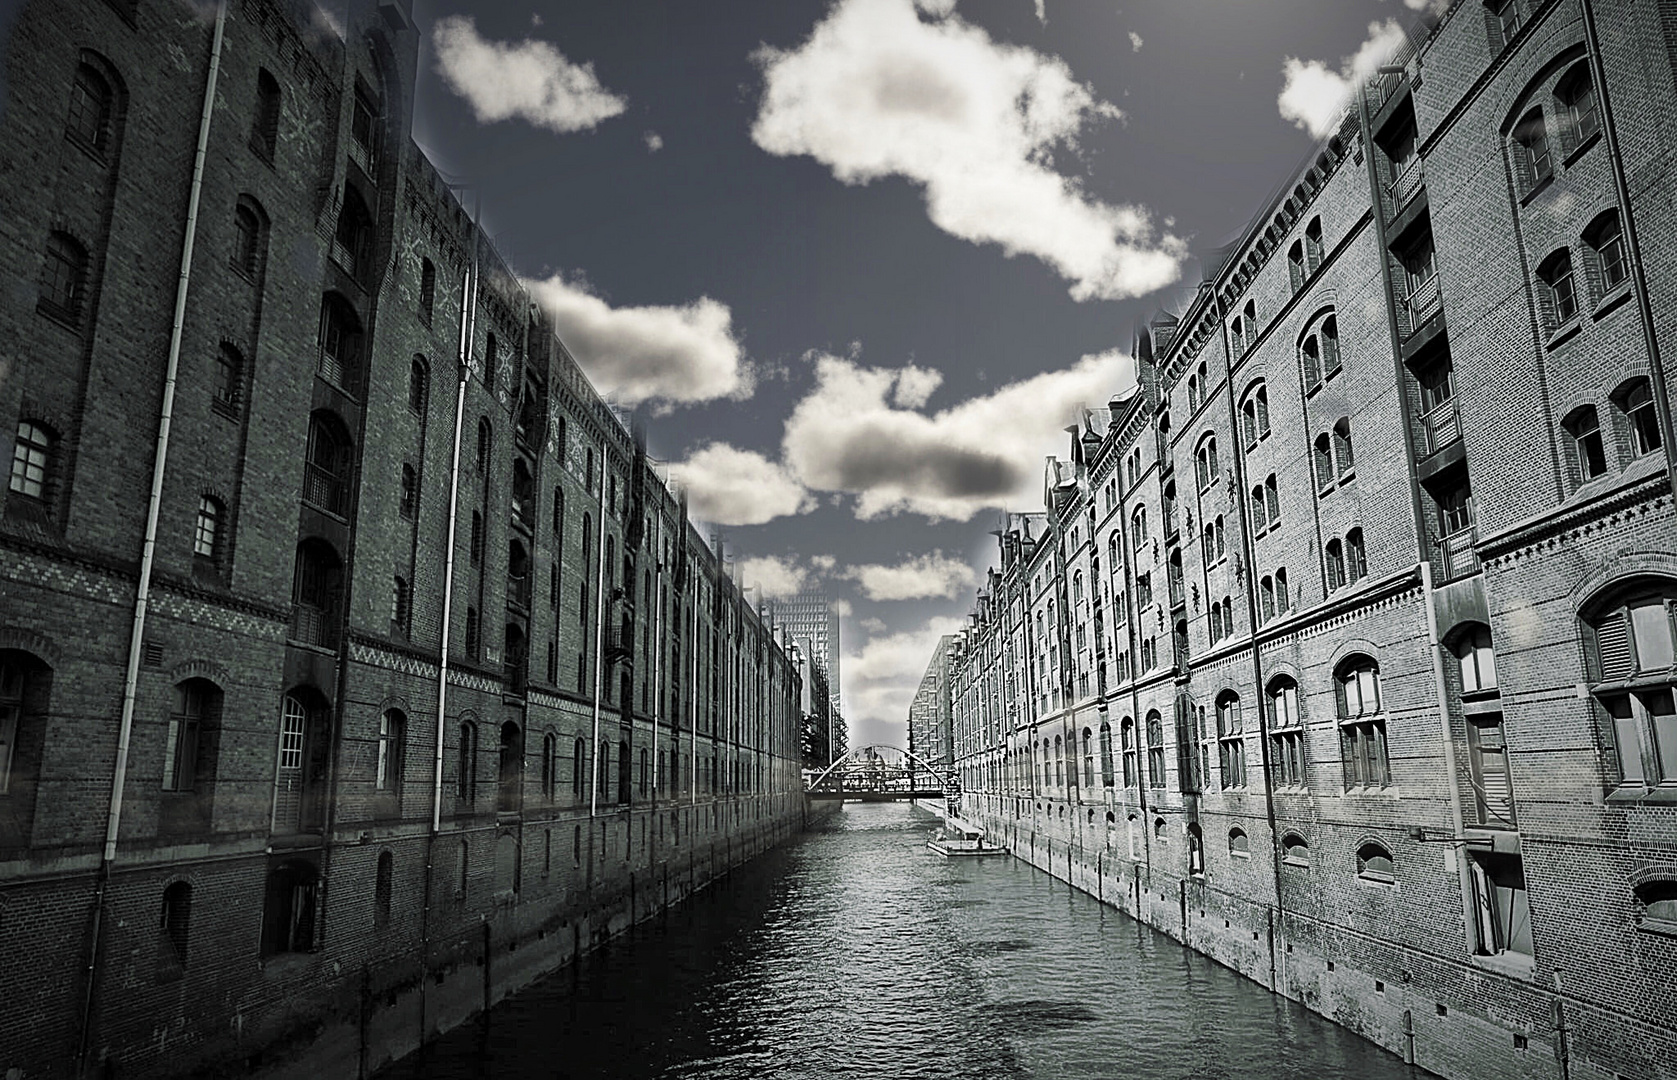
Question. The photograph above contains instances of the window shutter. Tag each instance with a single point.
(1613, 654)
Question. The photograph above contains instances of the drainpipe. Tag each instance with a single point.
(1621, 189)
(1442, 694)
(468, 322)
(160, 461)
(599, 641)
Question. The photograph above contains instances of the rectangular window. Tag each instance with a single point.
(1501, 909)
(1488, 758)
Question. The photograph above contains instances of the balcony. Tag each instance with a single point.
(524, 510)
(324, 489)
(313, 626)
(620, 640)
(1456, 554)
(1441, 426)
(518, 591)
(1421, 304)
(1406, 184)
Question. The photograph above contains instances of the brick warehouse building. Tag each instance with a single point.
(1344, 650)
(429, 684)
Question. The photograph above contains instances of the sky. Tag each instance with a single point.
(858, 263)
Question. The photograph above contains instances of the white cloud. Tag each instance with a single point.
(881, 677)
(729, 486)
(930, 576)
(915, 386)
(1435, 6)
(936, 8)
(1135, 41)
(773, 576)
(876, 91)
(654, 142)
(527, 79)
(1042, 12)
(846, 436)
(1313, 96)
(666, 354)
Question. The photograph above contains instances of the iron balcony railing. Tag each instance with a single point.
(313, 626)
(523, 510)
(324, 489)
(1456, 552)
(1422, 303)
(1406, 184)
(518, 590)
(1442, 426)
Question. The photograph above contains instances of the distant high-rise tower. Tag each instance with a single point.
(811, 617)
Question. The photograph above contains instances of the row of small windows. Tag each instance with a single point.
(1636, 424)
(1347, 562)
(1573, 119)
(1332, 459)
(1606, 268)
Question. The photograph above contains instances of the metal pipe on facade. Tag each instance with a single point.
(599, 639)
(148, 550)
(468, 323)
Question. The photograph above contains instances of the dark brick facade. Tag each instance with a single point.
(303, 880)
(1464, 869)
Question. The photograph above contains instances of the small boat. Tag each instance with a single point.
(962, 840)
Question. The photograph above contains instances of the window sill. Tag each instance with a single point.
(1304, 863)
(1537, 188)
(1581, 149)
(1347, 476)
(1383, 880)
(1563, 333)
(70, 320)
(224, 408)
(1519, 965)
(1610, 302)
(1240, 855)
(1663, 927)
(1637, 794)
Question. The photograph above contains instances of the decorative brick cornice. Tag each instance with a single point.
(1570, 524)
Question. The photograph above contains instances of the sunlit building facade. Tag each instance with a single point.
(355, 666)
(1344, 650)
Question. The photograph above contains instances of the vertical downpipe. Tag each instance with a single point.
(599, 643)
(160, 461)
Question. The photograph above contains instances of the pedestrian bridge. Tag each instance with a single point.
(880, 773)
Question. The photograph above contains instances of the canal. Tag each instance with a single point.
(855, 952)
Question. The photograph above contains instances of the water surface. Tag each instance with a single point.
(855, 952)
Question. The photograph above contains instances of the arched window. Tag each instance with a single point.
(1362, 728)
(249, 234)
(228, 387)
(1342, 447)
(1636, 404)
(1196, 850)
(1193, 392)
(1322, 459)
(1656, 902)
(1266, 598)
(1206, 471)
(465, 780)
(1282, 601)
(1576, 108)
(485, 444)
(1313, 244)
(579, 768)
(352, 240)
(383, 889)
(1127, 744)
(1356, 559)
(64, 277)
(174, 931)
(340, 343)
(419, 384)
(1239, 845)
(189, 753)
(409, 504)
(1059, 762)
(1106, 754)
(1629, 642)
(1287, 732)
(1559, 292)
(1310, 358)
(1532, 163)
(1586, 452)
(327, 466)
(1296, 271)
(1334, 559)
(1231, 740)
(316, 592)
(1155, 750)
(392, 749)
(550, 765)
(91, 100)
(474, 632)
(1330, 347)
(1606, 240)
(1295, 849)
(427, 290)
(288, 912)
(1374, 863)
(1138, 527)
(264, 127)
(1088, 758)
(511, 767)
